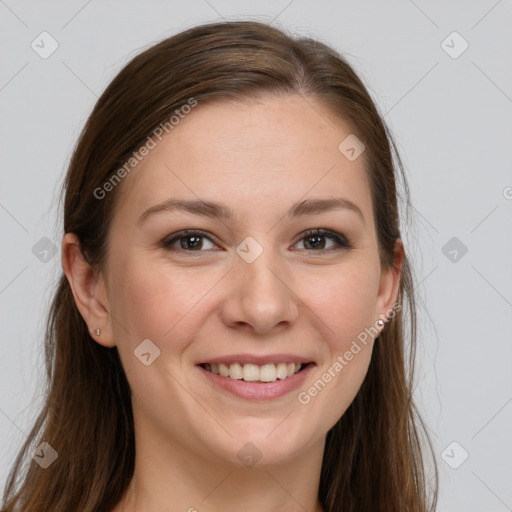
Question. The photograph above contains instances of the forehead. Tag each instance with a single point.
(253, 154)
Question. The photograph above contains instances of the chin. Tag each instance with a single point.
(265, 442)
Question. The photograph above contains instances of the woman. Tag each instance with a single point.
(229, 329)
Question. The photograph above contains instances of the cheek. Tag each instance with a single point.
(344, 299)
(152, 300)
(344, 302)
(155, 302)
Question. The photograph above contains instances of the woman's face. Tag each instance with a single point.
(253, 293)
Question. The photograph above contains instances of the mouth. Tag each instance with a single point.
(256, 377)
(249, 372)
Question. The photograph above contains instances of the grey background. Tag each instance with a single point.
(451, 118)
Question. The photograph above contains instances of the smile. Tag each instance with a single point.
(249, 372)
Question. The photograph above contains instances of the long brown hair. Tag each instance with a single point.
(374, 455)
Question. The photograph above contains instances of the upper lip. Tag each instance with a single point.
(258, 360)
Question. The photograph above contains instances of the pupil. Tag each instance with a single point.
(196, 240)
(317, 240)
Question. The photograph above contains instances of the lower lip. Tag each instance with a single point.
(258, 391)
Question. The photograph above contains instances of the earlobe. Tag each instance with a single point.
(88, 288)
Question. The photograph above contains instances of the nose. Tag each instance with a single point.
(259, 298)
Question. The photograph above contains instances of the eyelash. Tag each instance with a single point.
(341, 240)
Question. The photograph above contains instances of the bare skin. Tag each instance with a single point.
(197, 299)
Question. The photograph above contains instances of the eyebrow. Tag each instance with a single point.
(221, 211)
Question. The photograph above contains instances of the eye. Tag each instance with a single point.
(188, 240)
(318, 240)
(313, 240)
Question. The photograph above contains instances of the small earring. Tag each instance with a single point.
(97, 332)
(380, 323)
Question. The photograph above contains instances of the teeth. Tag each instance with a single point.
(268, 373)
(253, 372)
(282, 371)
(236, 371)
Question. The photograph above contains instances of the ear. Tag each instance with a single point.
(390, 283)
(89, 291)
